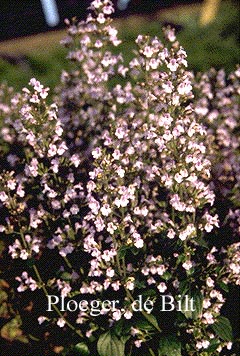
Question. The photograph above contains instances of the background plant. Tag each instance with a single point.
(117, 191)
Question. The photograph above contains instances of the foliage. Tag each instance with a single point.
(207, 46)
(115, 200)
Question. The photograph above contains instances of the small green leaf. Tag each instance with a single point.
(213, 346)
(161, 203)
(223, 328)
(169, 346)
(152, 320)
(11, 330)
(3, 296)
(224, 286)
(110, 345)
(125, 338)
(122, 327)
(183, 287)
(149, 293)
(4, 312)
(201, 242)
(66, 276)
(192, 304)
(122, 251)
(144, 325)
(166, 276)
(140, 285)
(82, 349)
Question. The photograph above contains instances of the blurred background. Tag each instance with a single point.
(30, 32)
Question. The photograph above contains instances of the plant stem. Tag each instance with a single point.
(42, 284)
(151, 352)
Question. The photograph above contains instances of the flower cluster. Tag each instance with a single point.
(119, 191)
(41, 191)
(217, 105)
(83, 95)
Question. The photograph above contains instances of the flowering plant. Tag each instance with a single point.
(114, 199)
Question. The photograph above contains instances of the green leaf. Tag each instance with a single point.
(110, 345)
(213, 346)
(183, 287)
(82, 349)
(169, 346)
(4, 312)
(144, 325)
(122, 327)
(186, 305)
(224, 286)
(66, 276)
(166, 276)
(162, 203)
(123, 250)
(140, 285)
(201, 242)
(125, 338)
(3, 296)
(152, 320)
(149, 293)
(11, 330)
(223, 328)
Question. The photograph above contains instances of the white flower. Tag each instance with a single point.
(111, 228)
(94, 205)
(101, 19)
(173, 65)
(105, 210)
(24, 254)
(138, 343)
(205, 344)
(128, 314)
(121, 172)
(74, 209)
(97, 152)
(41, 319)
(139, 243)
(61, 322)
(11, 184)
(97, 3)
(209, 318)
(130, 283)
(184, 88)
(187, 265)
(117, 315)
(148, 51)
(59, 130)
(52, 151)
(210, 282)
(170, 33)
(171, 233)
(162, 287)
(110, 272)
(3, 196)
(75, 160)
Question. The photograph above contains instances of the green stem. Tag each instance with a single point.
(117, 257)
(68, 263)
(151, 352)
(42, 284)
(54, 306)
